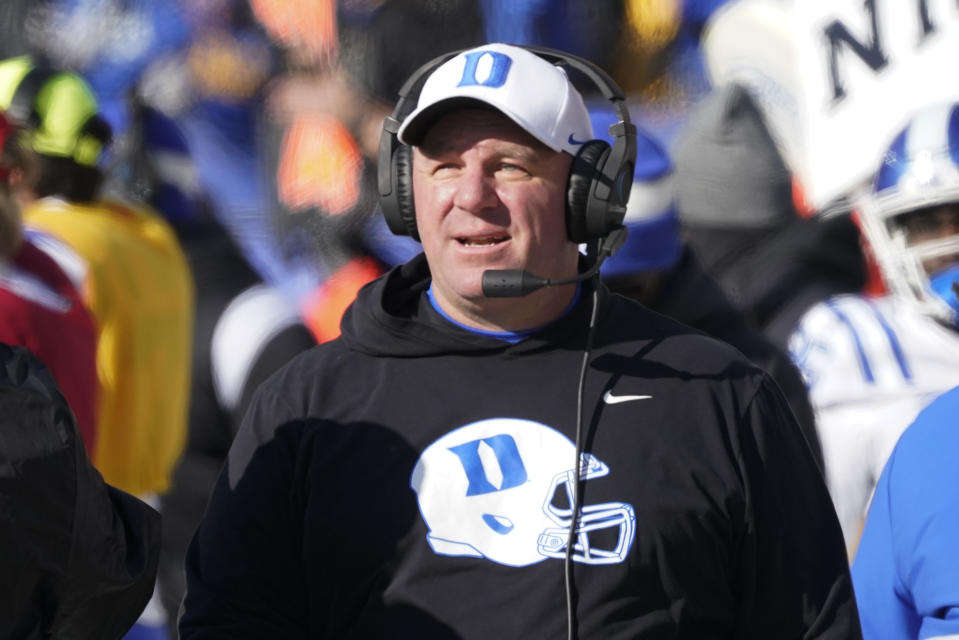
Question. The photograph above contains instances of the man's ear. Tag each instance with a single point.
(15, 179)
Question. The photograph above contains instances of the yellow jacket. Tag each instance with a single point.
(139, 288)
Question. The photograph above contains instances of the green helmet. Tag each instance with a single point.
(56, 109)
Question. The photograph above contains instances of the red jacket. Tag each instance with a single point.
(40, 309)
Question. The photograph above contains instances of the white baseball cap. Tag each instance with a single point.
(534, 93)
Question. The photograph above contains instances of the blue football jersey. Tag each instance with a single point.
(906, 571)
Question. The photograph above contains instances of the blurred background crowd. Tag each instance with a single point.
(273, 109)
(231, 164)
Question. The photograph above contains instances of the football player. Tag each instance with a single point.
(873, 363)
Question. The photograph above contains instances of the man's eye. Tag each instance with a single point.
(511, 168)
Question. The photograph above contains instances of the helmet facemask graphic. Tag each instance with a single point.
(911, 216)
(592, 518)
(501, 489)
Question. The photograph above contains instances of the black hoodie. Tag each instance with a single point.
(78, 558)
(691, 296)
(411, 480)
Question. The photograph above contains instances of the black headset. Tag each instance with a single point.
(600, 177)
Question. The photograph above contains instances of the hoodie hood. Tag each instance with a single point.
(392, 316)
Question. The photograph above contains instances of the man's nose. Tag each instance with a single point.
(475, 190)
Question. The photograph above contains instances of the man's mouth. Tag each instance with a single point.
(482, 241)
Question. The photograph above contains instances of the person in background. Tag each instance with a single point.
(561, 464)
(738, 212)
(657, 268)
(136, 281)
(906, 568)
(40, 308)
(79, 556)
(873, 363)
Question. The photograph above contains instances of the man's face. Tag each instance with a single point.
(489, 196)
(932, 224)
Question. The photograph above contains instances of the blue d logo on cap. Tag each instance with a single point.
(497, 73)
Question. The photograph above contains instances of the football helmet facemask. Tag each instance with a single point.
(910, 217)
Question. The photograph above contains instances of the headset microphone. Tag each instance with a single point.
(515, 283)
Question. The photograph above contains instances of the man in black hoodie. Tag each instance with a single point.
(562, 464)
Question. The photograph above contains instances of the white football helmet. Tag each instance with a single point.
(501, 489)
(920, 170)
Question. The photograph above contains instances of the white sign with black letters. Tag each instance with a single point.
(836, 78)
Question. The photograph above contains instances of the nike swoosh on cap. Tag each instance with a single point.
(573, 140)
(609, 398)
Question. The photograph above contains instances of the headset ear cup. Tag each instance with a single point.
(403, 219)
(587, 168)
